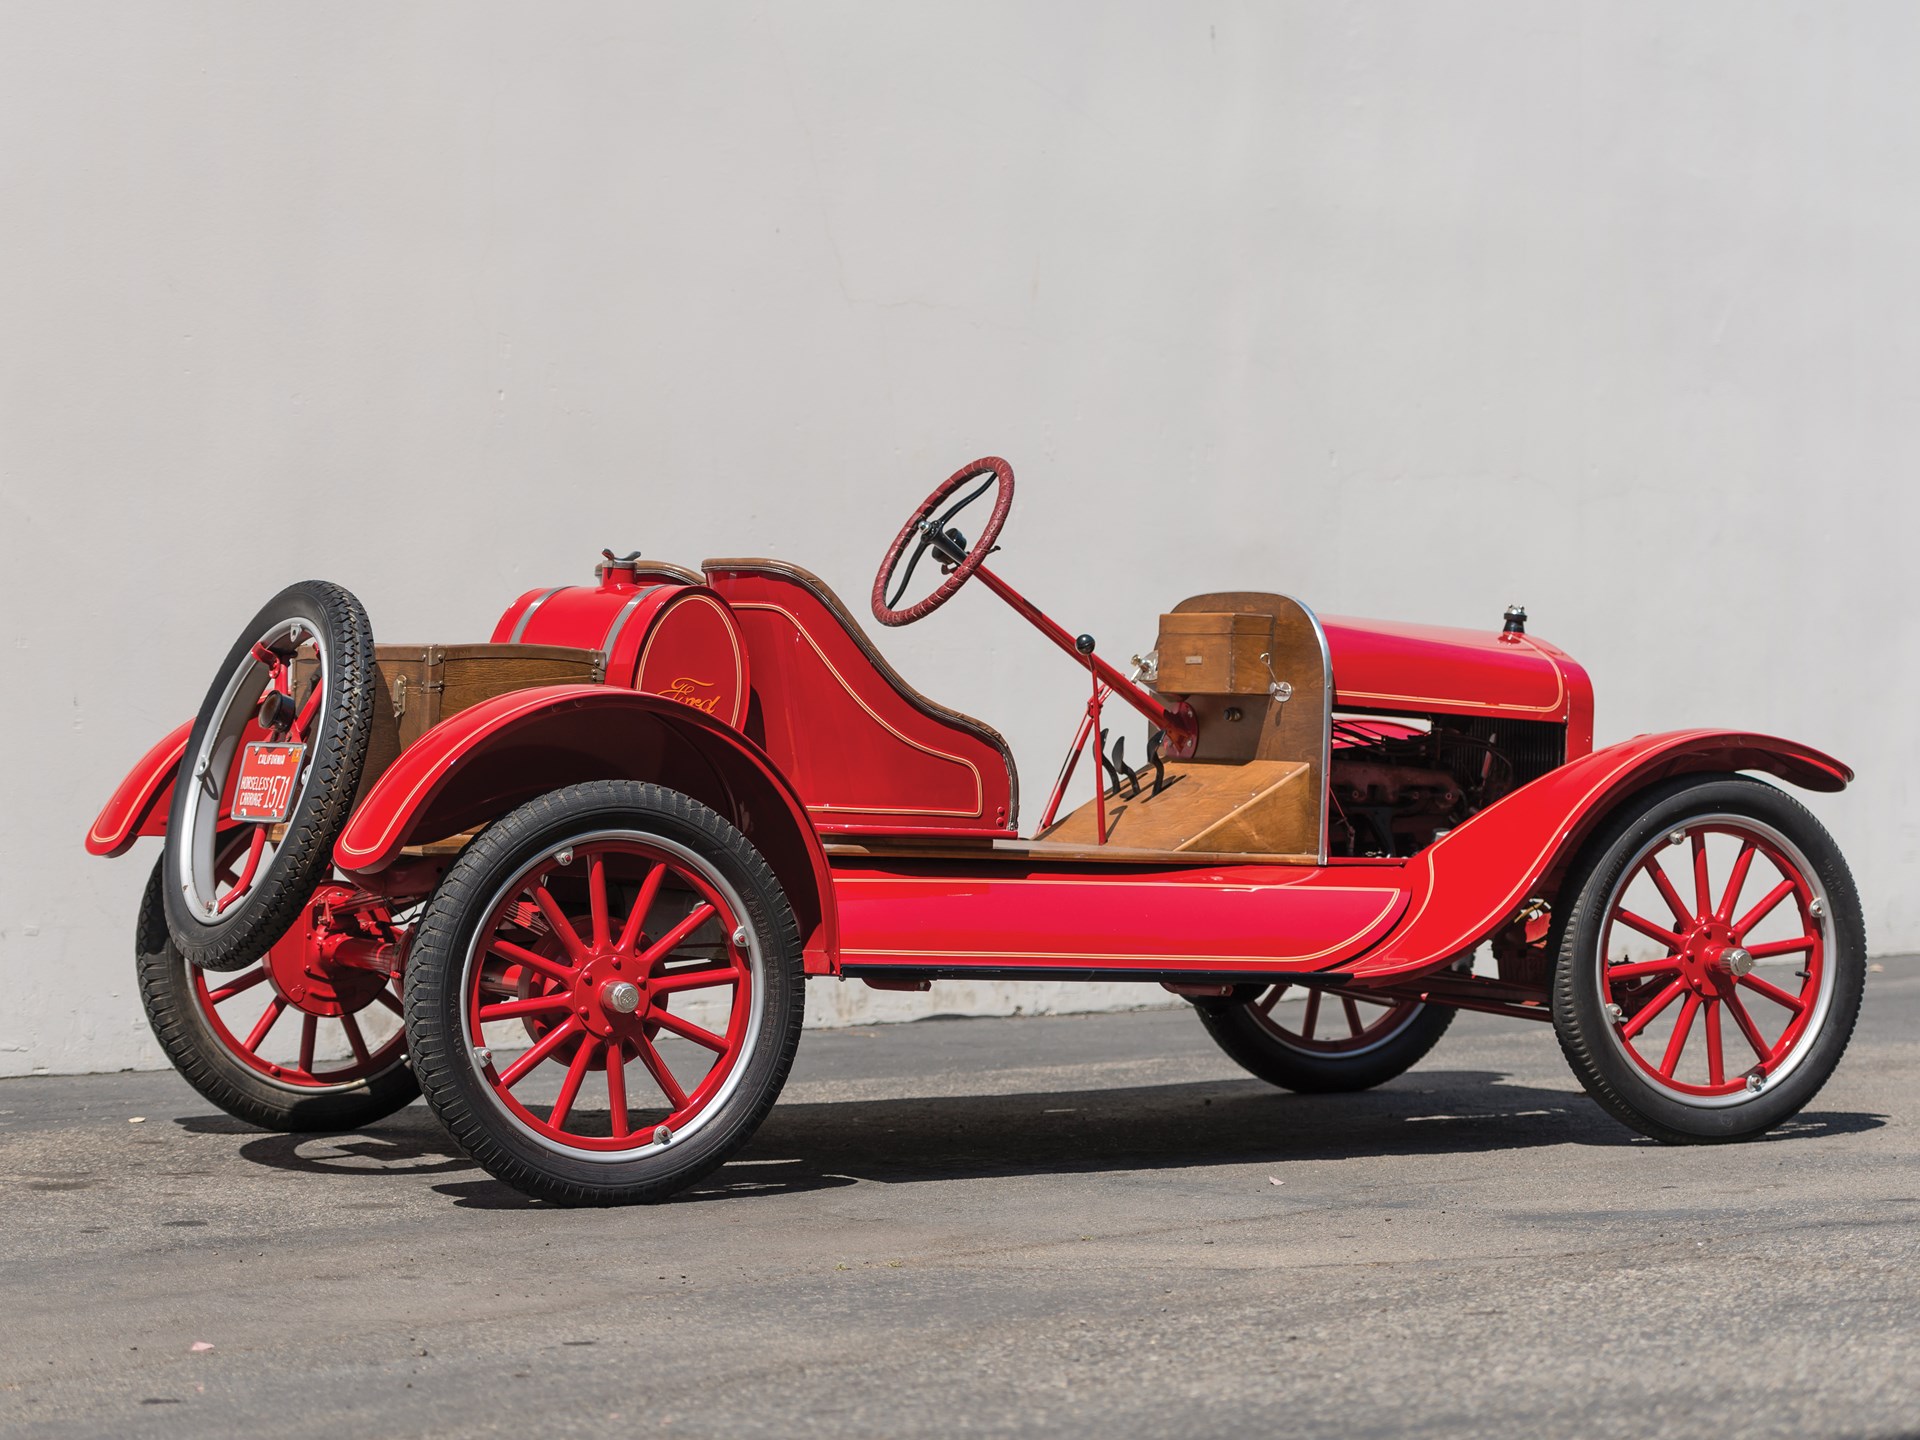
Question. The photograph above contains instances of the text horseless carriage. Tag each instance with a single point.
(571, 883)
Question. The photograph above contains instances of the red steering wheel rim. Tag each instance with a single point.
(1003, 502)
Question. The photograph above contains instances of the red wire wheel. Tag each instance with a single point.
(1311, 1038)
(1710, 975)
(295, 1041)
(605, 994)
(592, 992)
(924, 527)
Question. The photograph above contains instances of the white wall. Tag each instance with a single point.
(1407, 309)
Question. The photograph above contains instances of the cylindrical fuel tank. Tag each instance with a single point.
(661, 635)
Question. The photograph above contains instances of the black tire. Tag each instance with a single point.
(453, 1078)
(1237, 1028)
(166, 981)
(337, 753)
(1588, 1035)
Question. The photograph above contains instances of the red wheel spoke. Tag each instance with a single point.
(234, 987)
(1735, 883)
(1765, 908)
(547, 1044)
(254, 847)
(1747, 1027)
(355, 1039)
(532, 1005)
(597, 902)
(688, 1030)
(265, 1023)
(1773, 992)
(309, 1028)
(520, 955)
(1681, 916)
(1312, 1017)
(1266, 1003)
(1353, 1015)
(1637, 969)
(643, 902)
(696, 979)
(1716, 1067)
(570, 1087)
(1782, 947)
(1648, 928)
(1653, 1008)
(1702, 885)
(1678, 1040)
(662, 1076)
(617, 1087)
(666, 944)
(562, 927)
(391, 1001)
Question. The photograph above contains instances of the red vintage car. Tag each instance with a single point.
(571, 883)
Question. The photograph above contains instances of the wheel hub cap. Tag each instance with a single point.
(1712, 958)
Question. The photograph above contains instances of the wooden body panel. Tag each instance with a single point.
(425, 684)
(1244, 727)
(1264, 806)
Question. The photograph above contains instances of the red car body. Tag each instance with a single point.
(893, 822)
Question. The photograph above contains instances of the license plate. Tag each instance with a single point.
(265, 788)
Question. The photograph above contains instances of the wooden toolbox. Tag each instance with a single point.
(1209, 653)
(425, 684)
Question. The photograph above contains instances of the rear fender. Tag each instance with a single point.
(140, 805)
(481, 763)
(1467, 884)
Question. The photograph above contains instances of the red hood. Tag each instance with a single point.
(1384, 665)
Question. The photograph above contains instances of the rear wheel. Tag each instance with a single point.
(605, 994)
(1711, 968)
(1308, 1038)
(291, 1042)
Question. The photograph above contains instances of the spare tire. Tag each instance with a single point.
(300, 784)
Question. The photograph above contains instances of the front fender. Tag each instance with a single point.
(140, 803)
(489, 758)
(1465, 885)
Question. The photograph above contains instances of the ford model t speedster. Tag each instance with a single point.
(571, 883)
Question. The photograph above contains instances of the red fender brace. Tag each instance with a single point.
(1453, 906)
(489, 758)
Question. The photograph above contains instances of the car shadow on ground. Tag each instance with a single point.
(818, 1145)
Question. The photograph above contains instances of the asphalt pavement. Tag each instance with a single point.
(1085, 1225)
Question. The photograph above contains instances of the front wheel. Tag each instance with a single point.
(1710, 970)
(605, 994)
(1310, 1039)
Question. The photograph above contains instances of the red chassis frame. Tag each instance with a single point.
(891, 821)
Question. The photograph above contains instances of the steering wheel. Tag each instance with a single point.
(926, 531)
